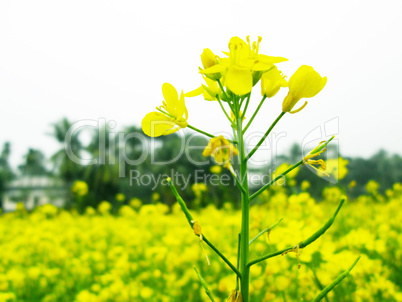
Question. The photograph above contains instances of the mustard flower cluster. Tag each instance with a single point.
(138, 255)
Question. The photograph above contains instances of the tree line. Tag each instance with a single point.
(105, 180)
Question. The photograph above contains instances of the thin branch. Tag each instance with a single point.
(316, 150)
(275, 180)
(200, 131)
(223, 109)
(238, 183)
(254, 114)
(265, 135)
(190, 220)
(306, 242)
(207, 134)
(238, 261)
(223, 90)
(269, 229)
(246, 106)
(204, 285)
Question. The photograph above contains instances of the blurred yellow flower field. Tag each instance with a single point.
(147, 253)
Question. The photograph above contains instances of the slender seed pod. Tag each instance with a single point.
(342, 276)
(324, 228)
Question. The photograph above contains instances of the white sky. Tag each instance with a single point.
(93, 59)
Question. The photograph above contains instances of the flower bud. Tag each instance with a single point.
(271, 82)
(208, 58)
(304, 83)
(235, 296)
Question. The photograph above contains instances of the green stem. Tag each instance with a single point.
(265, 135)
(308, 241)
(223, 91)
(189, 126)
(314, 151)
(223, 109)
(200, 131)
(269, 229)
(274, 180)
(190, 220)
(317, 281)
(238, 261)
(239, 185)
(204, 285)
(245, 204)
(207, 134)
(246, 106)
(254, 114)
(242, 100)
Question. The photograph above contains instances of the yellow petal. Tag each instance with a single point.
(239, 80)
(169, 94)
(261, 66)
(271, 82)
(289, 102)
(178, 109)
(214, 69)
(236, 43)
(270, 59)
(155, 124)
(208, 58)
(208, 94)
(306, 82)
(181, 107)
(195, 92)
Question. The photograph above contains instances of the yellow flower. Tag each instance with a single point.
(352, 184)
(305, 185)
(172, 117)
(120, 197)
(209, 59)
(135, 203)
(244, 65)
(209, 91)
(304, 83)
(104, 207)
(307, 160)
(199, 187)
(271, 82)
(220, 149)
(332, 194)
(20, 206)
(216, 169)
(156, 196)
(289, 176)
(372, 187)
(337, 167)
(80, 188)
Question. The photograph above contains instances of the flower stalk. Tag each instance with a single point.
(245, 207)
(231, 80)
(191, 221)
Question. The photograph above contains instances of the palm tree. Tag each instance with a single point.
(6, 173)
(67, 169)
(34, 163)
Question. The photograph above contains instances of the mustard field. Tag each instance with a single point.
(147, 253)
